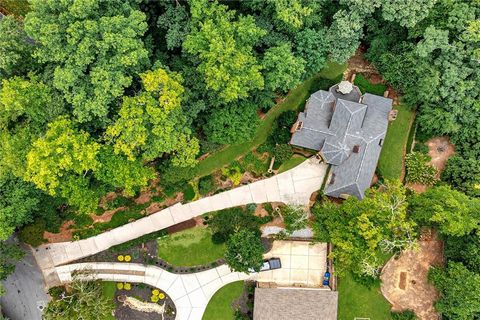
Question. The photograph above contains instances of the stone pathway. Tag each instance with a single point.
(190, 292)
(294, 186)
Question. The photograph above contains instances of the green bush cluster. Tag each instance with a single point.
(234, 173)
(33, 233)
(188, 192)
(206, 185)
(253, 164)
(366, 86)
(419, 170)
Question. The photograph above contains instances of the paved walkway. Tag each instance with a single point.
(190, 292)
(294, 186)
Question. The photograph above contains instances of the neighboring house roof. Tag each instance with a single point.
(294, 303)
(348, 130)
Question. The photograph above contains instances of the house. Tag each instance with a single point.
(347, 129)
(295, 303)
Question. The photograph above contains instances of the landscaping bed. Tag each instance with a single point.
(144, 293)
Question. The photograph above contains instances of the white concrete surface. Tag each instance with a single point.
(190, 292)
(294, 186)
(303, 264)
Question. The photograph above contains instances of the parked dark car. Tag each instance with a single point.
(271, 264)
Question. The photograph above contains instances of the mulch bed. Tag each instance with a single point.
(142, 292)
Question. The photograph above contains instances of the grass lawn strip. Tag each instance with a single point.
(294, 161)
(359, 301)
(294, 100)
(190, 247)
(220, 306)
(390, 164)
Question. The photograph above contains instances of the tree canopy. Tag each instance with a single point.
(94, 47)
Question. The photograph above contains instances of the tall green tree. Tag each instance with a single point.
(362, 230)
(60, 162)
(232, 124)
(18, 203)
(84, 300)
(224, 47)
(152, 124)
(452, 211)
(244, 251)
(95, 48)
(282, 69)
(459, 291)
(15, 48)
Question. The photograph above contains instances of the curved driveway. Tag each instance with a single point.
(294, 186)
(190, 292)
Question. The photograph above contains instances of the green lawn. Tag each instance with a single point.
(294, 161)
(108, 289)
(390, 164)
(294, 101)
(190, 248)
(365, 86)
(220, 306)
(356, 300)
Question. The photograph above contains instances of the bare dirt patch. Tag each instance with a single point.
(65, 233)
(404, 278)
(358, 64)
(440, 149)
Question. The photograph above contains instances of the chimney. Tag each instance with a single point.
(356, 148)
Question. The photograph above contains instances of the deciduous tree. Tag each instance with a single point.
(223, 44)
(244, 251)
(95, 48)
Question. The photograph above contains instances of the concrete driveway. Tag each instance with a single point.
(190, 292)
(294, 186)
(25, 290)
(303, 264)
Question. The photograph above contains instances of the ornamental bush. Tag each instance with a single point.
(419, 170)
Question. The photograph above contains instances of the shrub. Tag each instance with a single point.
(119, 286)
(282, 153)
(420, 147)
(234, 173)
(419, 170)
(127, 286)
(226, 222)
(33, 233)
(254, 164)
(251, 207)
(206, 185)
(188, 192)
(172, 177)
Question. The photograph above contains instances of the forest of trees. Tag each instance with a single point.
(98, 96)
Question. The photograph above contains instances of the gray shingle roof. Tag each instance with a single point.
(294, 303)
(349, 135)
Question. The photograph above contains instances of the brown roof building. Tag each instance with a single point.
(295, 304)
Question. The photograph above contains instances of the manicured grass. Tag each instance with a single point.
(220, 306)
(390, 164)
(365, 86)
(190, 247)
(294, 161)
(108, 289)
(294, 101)
(356, 300)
